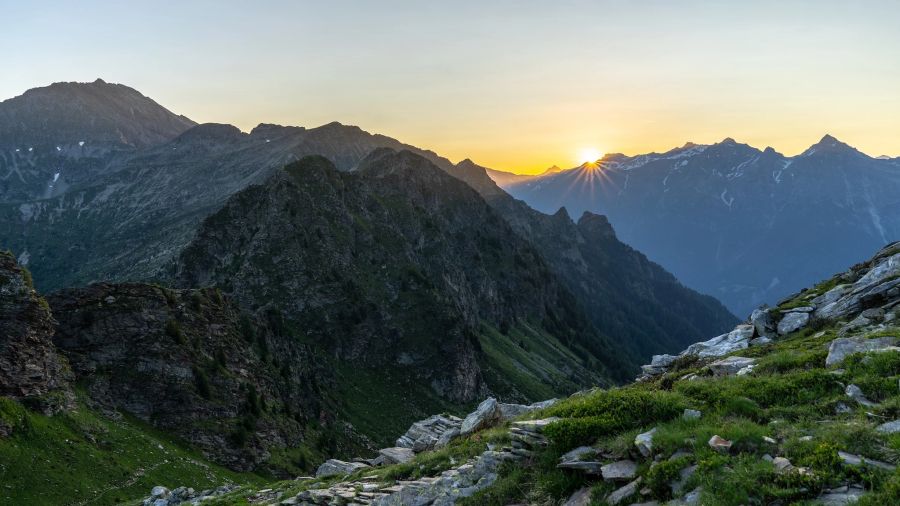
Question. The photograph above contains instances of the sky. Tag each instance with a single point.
(513, 85)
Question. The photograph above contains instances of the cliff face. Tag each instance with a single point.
(31, 370)
(190, 363)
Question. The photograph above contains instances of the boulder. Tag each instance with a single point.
(579, 453)
(581, 497)
(843, 347)
(737, 339)
(691, 414)
(762, 322)
(792, 322)
(644, 442)
(396, 455)
(487, 414)
(335, 467)
(782, 464)
(510, 411)
(855, 393)
(856, 460)
(889, 427)
(658, 364)
(841, 496)
(430, 433)
(535, 425)
(732, 365)
(619, 471)
(719, 444)
(624, 492)
(585, 466)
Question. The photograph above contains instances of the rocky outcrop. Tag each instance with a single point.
(487, 413)
(433, 432)
(866, 296)
(31, 369)
(191, 363)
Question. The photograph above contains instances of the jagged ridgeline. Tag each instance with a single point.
(407, 277)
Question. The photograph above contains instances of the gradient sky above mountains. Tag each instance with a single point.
(514, 85)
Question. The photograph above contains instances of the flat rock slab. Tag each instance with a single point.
(644, 442)
(731, 365)
(536, 425)
(624, 493)
(889, 427)
(335, 467)
(857, 460)
(579, 453)
(585, 466)
(621, 470)
(841, 348)
(396, 455)
(582, 497)
(792, 322)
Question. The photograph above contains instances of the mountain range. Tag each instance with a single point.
(264, 295)
(734, 221)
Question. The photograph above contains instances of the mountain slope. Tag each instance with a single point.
(734, 221)
(394, 264)
(628, 298)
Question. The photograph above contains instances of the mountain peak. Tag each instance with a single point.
(829, 144)
(99, 113)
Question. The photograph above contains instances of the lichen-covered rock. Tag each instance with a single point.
(31, 369)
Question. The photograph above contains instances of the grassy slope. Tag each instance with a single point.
(82, 457)
(790, 396)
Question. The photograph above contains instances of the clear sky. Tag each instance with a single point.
(514, 85)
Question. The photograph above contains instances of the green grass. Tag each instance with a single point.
(81, 456)
(528, 364)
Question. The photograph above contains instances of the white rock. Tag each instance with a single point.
(792, 322)
(889, 427)
(644, 442)
(486, 415)
(731, 365)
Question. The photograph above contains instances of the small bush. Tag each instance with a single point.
(173, 330)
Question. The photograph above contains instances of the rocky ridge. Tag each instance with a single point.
(31, 369)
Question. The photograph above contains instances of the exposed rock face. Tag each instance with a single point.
(189, 362)
(31, 369)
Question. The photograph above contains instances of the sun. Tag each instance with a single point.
(589, 155)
